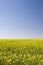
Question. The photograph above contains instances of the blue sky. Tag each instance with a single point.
(21, 18)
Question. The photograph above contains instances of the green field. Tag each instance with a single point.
(21, 51)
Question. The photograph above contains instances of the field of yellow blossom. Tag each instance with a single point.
(21, 51)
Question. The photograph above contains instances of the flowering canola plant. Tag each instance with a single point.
(21, 52)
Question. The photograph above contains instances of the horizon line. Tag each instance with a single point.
(21, 38)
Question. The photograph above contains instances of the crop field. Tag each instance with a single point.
(21, 51)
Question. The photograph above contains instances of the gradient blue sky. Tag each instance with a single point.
(21, 18)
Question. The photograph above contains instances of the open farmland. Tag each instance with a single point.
(21, 51)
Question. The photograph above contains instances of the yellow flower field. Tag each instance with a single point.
(21, 51)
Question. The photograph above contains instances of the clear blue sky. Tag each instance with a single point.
(21, 18)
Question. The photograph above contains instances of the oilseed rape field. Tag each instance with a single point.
(21, 51)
